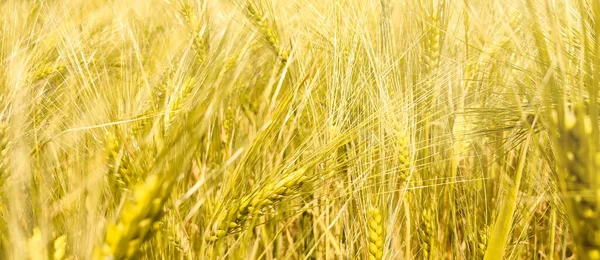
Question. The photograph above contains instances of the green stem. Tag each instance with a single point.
(499, 237)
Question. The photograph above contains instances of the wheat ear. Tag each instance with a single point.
(427, 235)
(60, 248)
(124, 238)
(403, 156)
(119, 162)
(268, 32)
(376, 234)
(255, 204)
(197, 32)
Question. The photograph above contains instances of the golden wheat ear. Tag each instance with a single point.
(376, 234)
(426, 235)
(135, 225)
(59, 248)
(255, 204)
(268, 31)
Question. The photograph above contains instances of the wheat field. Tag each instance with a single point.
(299, 129)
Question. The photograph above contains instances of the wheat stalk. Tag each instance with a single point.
(499, 235)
